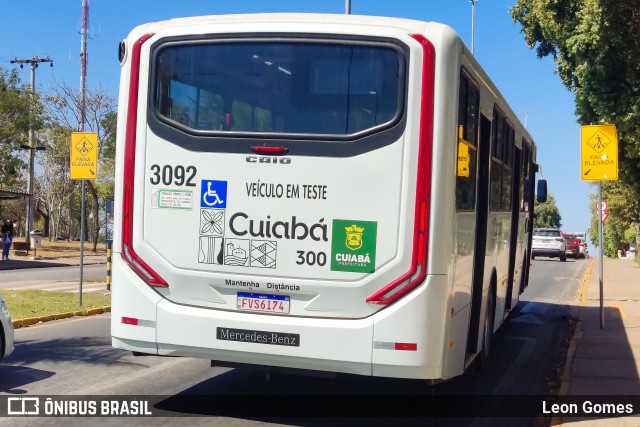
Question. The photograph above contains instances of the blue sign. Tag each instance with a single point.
(213, 194)
(109, 207)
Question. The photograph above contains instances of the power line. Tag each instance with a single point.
(33, 62)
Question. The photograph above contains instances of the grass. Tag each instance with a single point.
(32, 303)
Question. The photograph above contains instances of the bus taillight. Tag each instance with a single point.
(129, 255)
(418, 271)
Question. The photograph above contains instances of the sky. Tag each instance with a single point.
(535, 93)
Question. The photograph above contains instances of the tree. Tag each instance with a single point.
(17, 111)
(596, 46)
(623, 225)
(547, 215)
(63, 108)
(55, 186)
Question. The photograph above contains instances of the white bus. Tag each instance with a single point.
(337, 193)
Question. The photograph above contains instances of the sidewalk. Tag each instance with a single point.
(603, 361)
(17, 263)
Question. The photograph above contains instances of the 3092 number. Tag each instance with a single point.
(311, 258)
(173, 175)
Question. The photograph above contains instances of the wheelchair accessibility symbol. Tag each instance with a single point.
(213, 194)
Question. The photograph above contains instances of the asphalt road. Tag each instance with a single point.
(52, 278)
(75, 357)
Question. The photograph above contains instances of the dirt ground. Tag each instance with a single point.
(61, 249)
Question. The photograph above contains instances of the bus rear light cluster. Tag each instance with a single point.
(269, 150)
(406, 346)
(418, 270)
(133, 321)
(135, 262)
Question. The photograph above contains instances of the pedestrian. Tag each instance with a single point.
(6, 234)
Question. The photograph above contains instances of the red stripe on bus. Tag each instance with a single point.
(410, 346)
(418, 270)
(129, 255)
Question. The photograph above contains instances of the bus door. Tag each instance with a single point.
(528, 177)
(482, 214)
(516, 196)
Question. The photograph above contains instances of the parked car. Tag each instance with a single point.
(6, 330)
(573, 245)
(549, 242)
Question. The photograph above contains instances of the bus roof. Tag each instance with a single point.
(295, 18)
(343, 23)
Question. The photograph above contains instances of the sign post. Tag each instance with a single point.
(599, 162)
(83, 166)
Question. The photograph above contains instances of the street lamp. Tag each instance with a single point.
(473, 8)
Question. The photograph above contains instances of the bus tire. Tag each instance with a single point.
(482, 360)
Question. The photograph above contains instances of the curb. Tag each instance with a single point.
(30, 321)
(565, 381)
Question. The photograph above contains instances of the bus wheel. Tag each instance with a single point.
(482, 360)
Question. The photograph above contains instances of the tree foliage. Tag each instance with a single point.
(547, 214)
(17, 111)
(596, 46)
(54, 185)
(63, 114)
(622, 227)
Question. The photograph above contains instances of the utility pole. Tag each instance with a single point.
(33, 63)
(347, 7)
(84, 35)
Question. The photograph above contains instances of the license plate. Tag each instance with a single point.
(263, 303)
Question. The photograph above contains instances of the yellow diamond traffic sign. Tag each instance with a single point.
(599, 153)
(84, 155)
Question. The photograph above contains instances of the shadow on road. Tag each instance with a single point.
(81, 350)
(19, 264)
(12, 377)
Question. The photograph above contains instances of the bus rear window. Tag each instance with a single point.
(281, 87)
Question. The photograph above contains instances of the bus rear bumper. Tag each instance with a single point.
(401, 341)
(332, 345)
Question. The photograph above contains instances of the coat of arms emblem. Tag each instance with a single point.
(354, 237)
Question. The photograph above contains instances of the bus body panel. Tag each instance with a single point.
(201, 280)
(183, 232)
(133, 302)
(339, 342)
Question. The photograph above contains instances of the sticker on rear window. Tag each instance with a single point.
(213, 194)
(353, 245)
(171, 199)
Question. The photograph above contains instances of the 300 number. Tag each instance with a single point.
(311, 258)
(169, 175)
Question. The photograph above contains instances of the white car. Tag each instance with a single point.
(6, 330)
(584, 251)
(549, 242)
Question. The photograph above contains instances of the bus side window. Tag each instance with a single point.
(467, 134)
